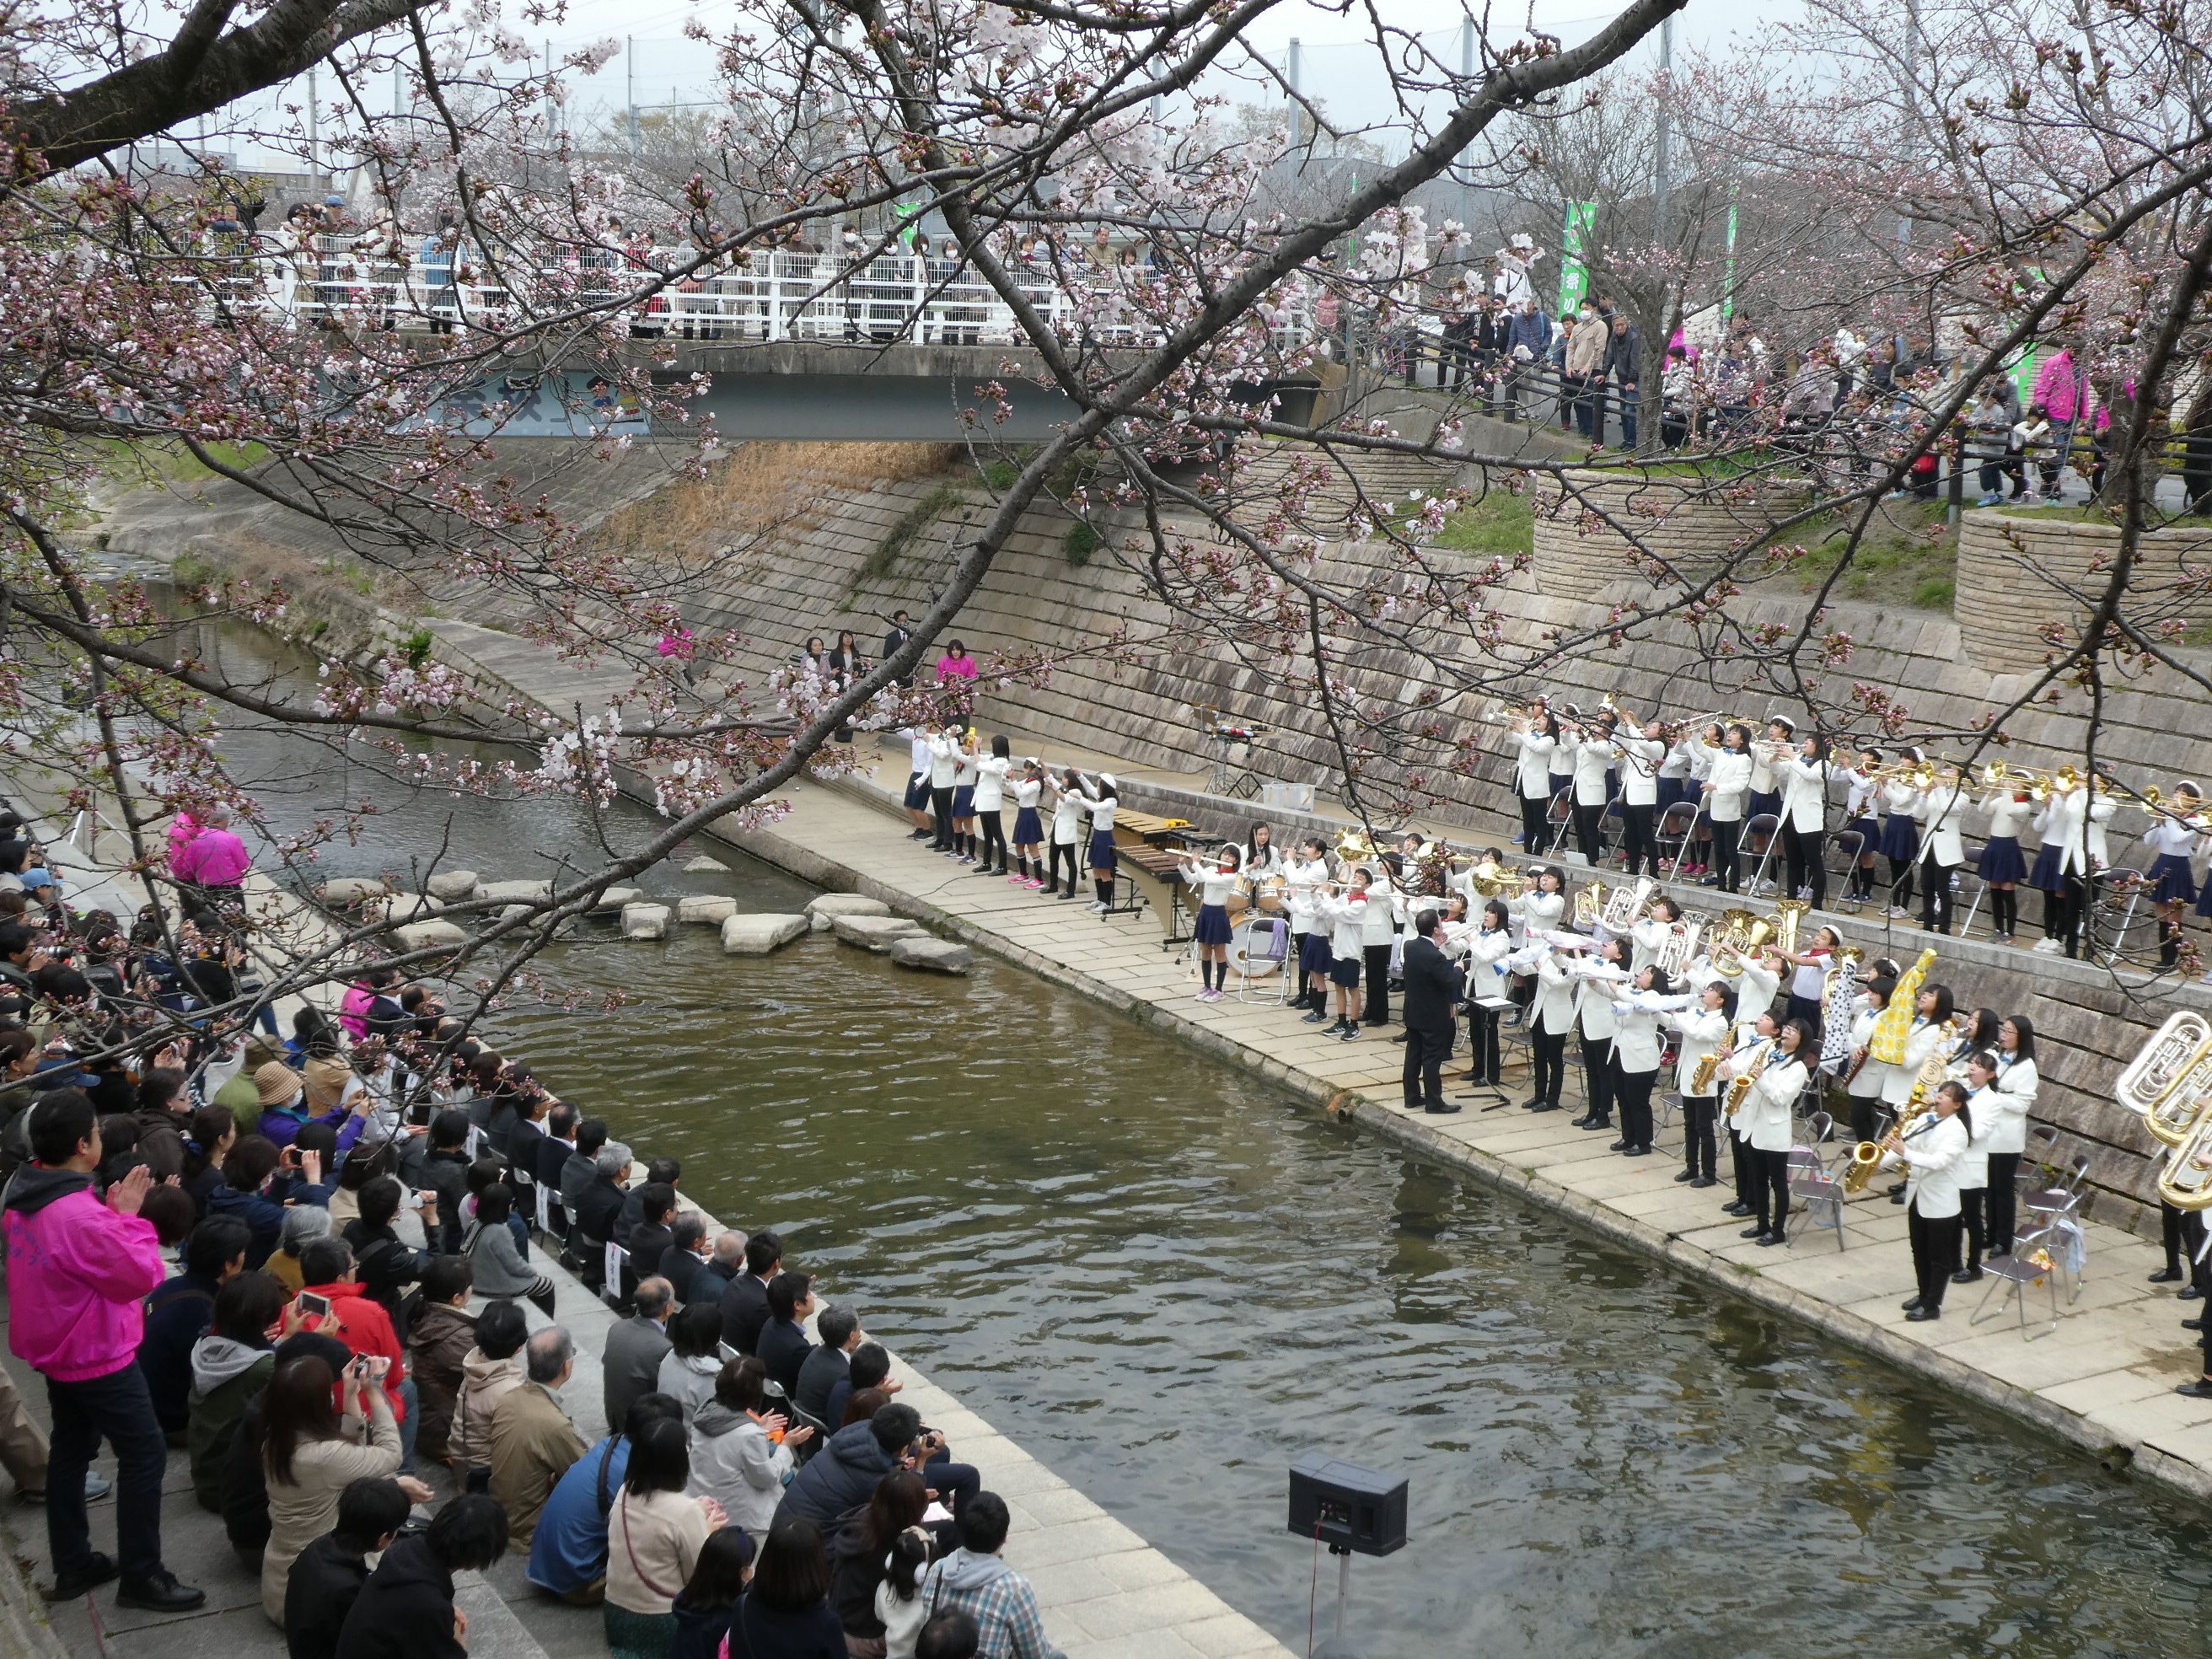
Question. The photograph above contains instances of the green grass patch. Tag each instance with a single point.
(885, 557)
(1908, 556)
(192, 571)
(1501, 523)
(169, 462)
(1081, 542)
(1000, 475)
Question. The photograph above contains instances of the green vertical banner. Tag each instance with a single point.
(1574, 277)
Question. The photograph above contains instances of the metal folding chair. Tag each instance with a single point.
(1272, 936)
(1816, 1188)
(2032, 1263)
(1672, 832)
(1768, 825)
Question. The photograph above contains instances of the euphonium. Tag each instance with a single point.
(1787, 914)
(1590, 902)
(1728, 956)
(1490, 879)
(2186, 1183)
(2162, 1084)
(1625, 904)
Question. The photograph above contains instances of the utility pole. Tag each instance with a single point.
(1465, 186)
(629, 76)
(1912, 98)
(1295, 111)
(315, 133)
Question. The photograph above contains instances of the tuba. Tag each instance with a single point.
(1894, 1022)
(1624, 904)
(1590, 902)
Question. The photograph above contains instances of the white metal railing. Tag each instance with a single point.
(911, 298)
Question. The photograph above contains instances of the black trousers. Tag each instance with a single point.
(1637, 840)
(1772, 1175)
(1427, 1048)
(1483, 1065)
(1934, 1252)
(1597, 1077)
(994, 825)
(1936, 894)
(1744, 1163)
(941, 807)
(1377, 1009)
(1801, 857)
(1973, 1212)
(1550, 1049)
(115, 1407)
(1698, 1152)
(1586, 830)
(1726, 838)
(1535, 824)
(1866, 1114)
(1063, 853)
(1634, 1089)
(2003, 1200)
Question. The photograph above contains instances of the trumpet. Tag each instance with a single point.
(1489, 880)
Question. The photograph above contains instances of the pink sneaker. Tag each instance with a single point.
(1034, 884)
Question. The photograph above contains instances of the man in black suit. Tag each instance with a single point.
(685, 1259)
(1433, 989)
(745, 1305)
(783, 1346)
(895, 636)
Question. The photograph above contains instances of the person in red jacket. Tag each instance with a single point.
(360, 1321)
(77, 1272)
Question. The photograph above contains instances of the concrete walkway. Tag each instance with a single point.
(2104, 1379)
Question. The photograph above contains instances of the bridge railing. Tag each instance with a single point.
(893, 299)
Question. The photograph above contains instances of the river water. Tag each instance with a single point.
(1166, 1281)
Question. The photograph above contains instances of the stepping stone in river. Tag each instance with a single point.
(703, 866)
(428, 935)
(514, 892)
(645, 922)
(452, 885)
(403, 907)
(828, 907)
(616, 898)
(937, 955)
(342, 891)
(706, 906)
(757, 935)
(876, 933)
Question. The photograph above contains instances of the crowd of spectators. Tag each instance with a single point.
(305, 1268)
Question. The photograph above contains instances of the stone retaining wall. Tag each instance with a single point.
(2051, 570)
(1687, 528)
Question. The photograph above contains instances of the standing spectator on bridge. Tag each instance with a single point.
(1622, 348)
(2061, 388)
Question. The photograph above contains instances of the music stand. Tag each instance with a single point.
(1494, 1091)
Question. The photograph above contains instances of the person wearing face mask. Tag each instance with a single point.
(1213, 884)
(1585, 369)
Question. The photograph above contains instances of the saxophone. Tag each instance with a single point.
(1701, 1074)
(1740, 1087)
(1867, 1156)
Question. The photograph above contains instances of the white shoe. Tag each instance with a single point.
(1098, 906)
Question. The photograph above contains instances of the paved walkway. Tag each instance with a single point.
(1105, 1593)
(2105, 1378)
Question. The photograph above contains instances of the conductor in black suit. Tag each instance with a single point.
(1432, 995)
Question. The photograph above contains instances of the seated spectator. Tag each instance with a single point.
(650, 1238)
(694, 1360)
(165, 1120)
(745, 1305)
(501, 1269)
(899, 1607)
(303, 1224)
(599, 1204)
(825, 1366)
(532, 1442)
(948, 1636)
(528, 1134)
(869, 1367)
(783, 1345)
(493, 1368)
(702, 1612)
(661, 1172)
(284, 1110)
(439, 1343)
(253, 1189)
(327, 1579)
(215, 1132)
(354, 1320)
(230, 1364)
(727, 1263)
(310, 1451)
(866, 1538)
(630, 1363)
(568, 1553)
(862, 1406)
(741, 1452)
(441, 1167)
(387, 1266)
(844, 1474)
(485, 1172)
(786, 1613)
(976, 1581)
(654, 1534)
(405, 1610)
(245, 1480)
(686, 1258)
(178, 1315)
(169, 1211)
(582, 1167)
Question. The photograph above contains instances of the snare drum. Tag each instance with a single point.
(1271, 894)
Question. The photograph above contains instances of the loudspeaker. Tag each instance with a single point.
(1347, 1507)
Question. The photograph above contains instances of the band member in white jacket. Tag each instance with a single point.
(1726, 792)
(1593, 760)
(1865, 1077)
(1752, 1035)
(1705, 1030)
(1638, 759)
(1214, 882)
(1535, 741)
(2175, 831)
(1778, 1074)
(1551, 1016)
(1345, 917)
(1863, 790)
(2010, 1101)
(1804, 779)
(1637, 1048)
(1602, 971)
(1942, 811)
(1932, 1153)
(1486, 947)
(1304, 877)
(1385, 910)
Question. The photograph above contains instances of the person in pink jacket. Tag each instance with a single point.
(78, 1270)
(215, 860)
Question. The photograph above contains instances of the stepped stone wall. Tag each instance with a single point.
(2052, 569)
(1687, 528)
